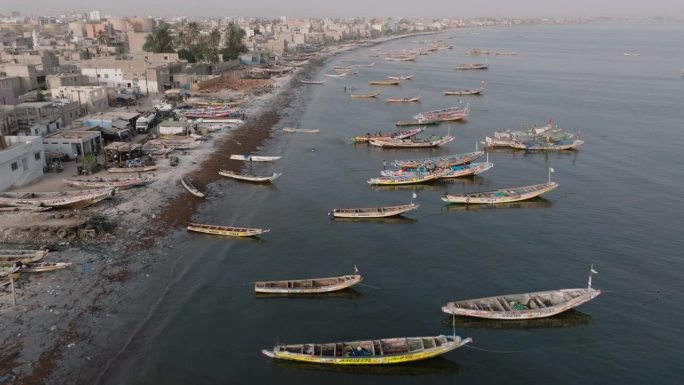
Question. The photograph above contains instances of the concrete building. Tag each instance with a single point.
(48, 114)
(67, 80)
(10, 88)
(8, 121)
(21, 160)
(74, 143)
(150, 76)
(91, 99)
(31, 77)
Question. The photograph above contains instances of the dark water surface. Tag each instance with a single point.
(619, 206)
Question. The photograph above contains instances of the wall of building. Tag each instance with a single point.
(22, 162)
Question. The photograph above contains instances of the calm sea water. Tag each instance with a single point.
(619, 206)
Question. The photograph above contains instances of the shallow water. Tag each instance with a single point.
(619, 206)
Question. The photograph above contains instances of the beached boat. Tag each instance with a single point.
(440, 161)
(539, 304)
(11, 257)
(373, 212)
(404, 100)
(384, 82)
(255, 158)
(226, 230)
(400, 77)
(369, 352)
(131, 169)
(412, 142)
(474, 91)
(306, 131)
(404, 180)
(174, 144)
(250, 178)
(42, 267)
(309, 286)
(417, 122)
(472, 66)
(191, 188)
(97, 182)
(312, 81)
(56, 200)
(505, 195)
(388, 135)
(364, 96)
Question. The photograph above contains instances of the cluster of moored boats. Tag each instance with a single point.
(548, 137)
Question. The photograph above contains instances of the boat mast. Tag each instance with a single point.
(550, 171)
(591, 271)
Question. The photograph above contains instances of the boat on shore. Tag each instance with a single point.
(131, 169)
(400, 77)
(226, 230)
(250, 178)
(364, 96)
(368, 352)
(309, 286)
(312, 82)
(512, 194)
(42, 267)
(373, 212)
(474, 91)
(11, 257)
(387, 135)
(404, 100)
(254, 158)
(302, 130)
(384, 82)
(539, 304)
(97, 182)
(191, 188)
(440, 161)
(472, 66)
(412, 142)
(56, 200)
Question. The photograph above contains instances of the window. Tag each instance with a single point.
(98, 75)
(37, 155)
(106, 76)
(15, 166)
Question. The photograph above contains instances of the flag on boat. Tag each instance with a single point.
(551, 169)
(356, 270)
(414, 195)
(593, 271)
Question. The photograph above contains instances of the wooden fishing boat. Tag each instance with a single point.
(11, 257)
(384, 82)
(400, 77)
(131, 169)
(226, 230)
(512, 194)
(417, 122)
(456, 171)
(174, 144)
(336, 75)
(445, 114)
(440, 161)
(412, 142)
(474, 91)
(373, 212)
(56, 200)
(536, 144)
(97, 182)
(42, 267)
(191, 188)
(306, 131)
(8, 271)
(312, 81)
(250, 178)
(388, 135)
(255, 158)
(631, 54)
(401, 58)
(6, 279)
(404, 100)
(364, 96)
(539, 304)
(308, 286)
(369, 352)
(404, 180)
(505, 53)
(364, 65)
(472, 66)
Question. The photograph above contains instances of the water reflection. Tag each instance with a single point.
(437, 365)
(566, 319)
(534, 203)
(347, 294)
(396, 220)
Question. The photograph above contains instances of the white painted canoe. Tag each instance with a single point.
(191, 188)
(254, 158)
(373, 212)
(250, 178)
(308, 286)
(506, 195)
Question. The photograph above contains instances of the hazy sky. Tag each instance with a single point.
(345, 8)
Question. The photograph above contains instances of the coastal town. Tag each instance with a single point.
(116, 131)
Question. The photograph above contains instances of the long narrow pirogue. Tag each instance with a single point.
(43, 267)
(97, 182)
(226, 230)
(191, 188)
(131, 169)
(309, 286)
(474, 91)
(373, 212)
(369, 352)
(10, 257)
(364, 96)
(56, 200)
(524, 306)
(388, 135)
(440, 161)
(456, 171)
(250, 178)
(404, 180)
(412, 142)
(512, 194)
(384, 82)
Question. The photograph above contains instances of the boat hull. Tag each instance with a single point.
(469, 199)
(344, 284)
(382, 212)
(231, 232)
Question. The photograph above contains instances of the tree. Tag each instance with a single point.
(234, 42)
(159, 40)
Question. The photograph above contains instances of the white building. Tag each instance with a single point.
(72, 144)
(21, 160)
(91, 98)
